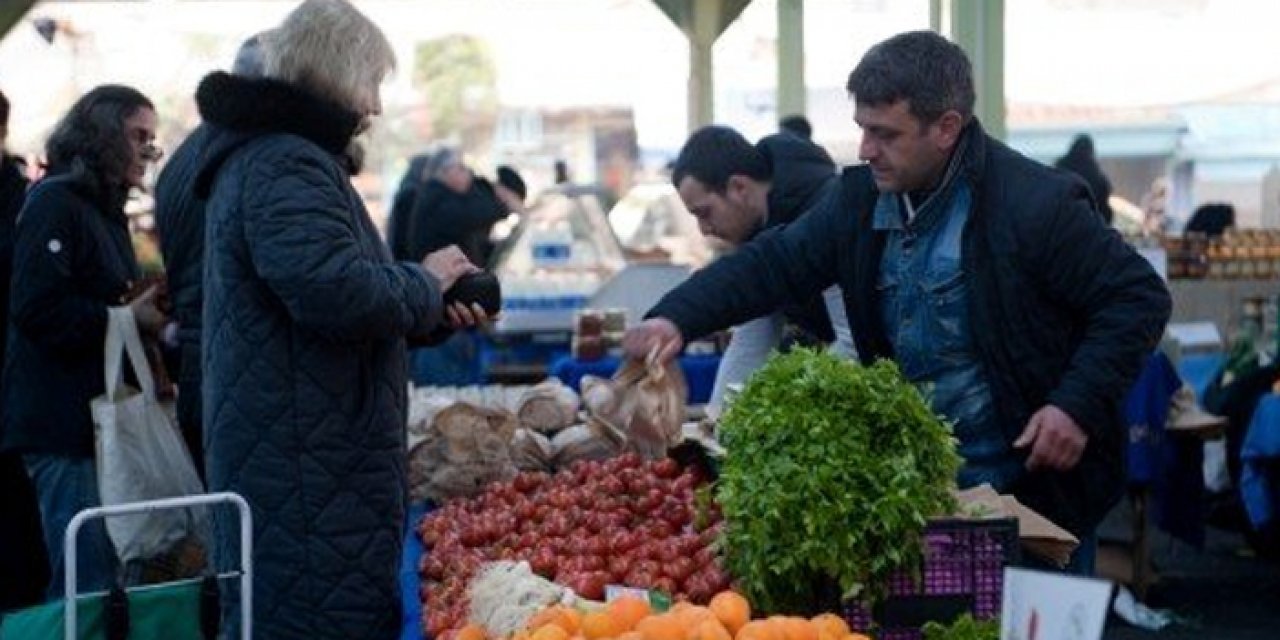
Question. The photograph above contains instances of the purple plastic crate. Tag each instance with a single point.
(963, 572)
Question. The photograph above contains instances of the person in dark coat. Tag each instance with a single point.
(73, 259)
(402, 207)
(305, 322)
(454, 207)
(980, 272)
(1082, 160)
(796, 124)
(735, 190)
(179, 217)
(22, 549)
(1212, 219)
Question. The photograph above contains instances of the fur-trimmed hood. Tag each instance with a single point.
(240, 109)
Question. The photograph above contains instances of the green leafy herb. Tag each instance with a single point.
(964, 628)
(831, 473)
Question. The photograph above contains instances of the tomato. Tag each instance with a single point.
(679, 569)
(665, 468)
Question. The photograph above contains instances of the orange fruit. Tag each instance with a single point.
(832, 624)
(633, 635)
(564, 617)
(691, 615)
(799, 629)
(710, 629)
(597, 626)
(550, 632)
(731, 609)
(757, 630)
(663, 627)
(472, 632)
(857, 636)
(628, 611)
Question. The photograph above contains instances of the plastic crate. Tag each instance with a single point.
(962, 572)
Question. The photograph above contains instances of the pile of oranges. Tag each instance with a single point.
(726, 617)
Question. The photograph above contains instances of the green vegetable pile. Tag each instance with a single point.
(964, 628)
(831, 472)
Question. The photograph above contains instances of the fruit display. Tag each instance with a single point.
(624, 521)
(726, 616)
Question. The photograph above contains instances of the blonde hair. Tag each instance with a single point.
(329, 48)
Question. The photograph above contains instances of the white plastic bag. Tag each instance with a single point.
(139, 452)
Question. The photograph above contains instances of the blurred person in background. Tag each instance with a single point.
(1212, 219)
(411, 184)
(179, 217)
(23, 558)
(453, 207)
(798, 125)
(72, 259)
(735, 190)
(305, 322)
(1082, 160)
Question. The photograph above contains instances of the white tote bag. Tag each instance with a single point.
(140, 454)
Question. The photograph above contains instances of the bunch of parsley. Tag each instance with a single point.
(831, 473)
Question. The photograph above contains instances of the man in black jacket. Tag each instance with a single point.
(735, 190)
(180, 225)
(980, 272)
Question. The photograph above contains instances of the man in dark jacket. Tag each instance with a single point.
(180, 226)
(453, 207)
(1082, 160)
(980, 272)
(735, 189)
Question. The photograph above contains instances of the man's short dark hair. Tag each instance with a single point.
(714, 153)
(931, 73)
(4, 110)
(798, 125)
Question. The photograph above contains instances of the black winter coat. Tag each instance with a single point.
(13, 193)
(72, 259)
(305, 318)
(180, 218)
(1064, 311)
(443, 217)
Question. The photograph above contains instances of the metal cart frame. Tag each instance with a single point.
(246, 549)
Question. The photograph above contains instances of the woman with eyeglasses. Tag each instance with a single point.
(72, 260)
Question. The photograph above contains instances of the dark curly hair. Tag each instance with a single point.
(91, 144)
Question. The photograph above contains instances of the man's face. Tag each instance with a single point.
(727, 215)
(140, 128)
(904, 153)
(457, 177)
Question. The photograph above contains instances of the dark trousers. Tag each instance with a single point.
(24, 561)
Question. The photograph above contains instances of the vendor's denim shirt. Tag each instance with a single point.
(923, 295)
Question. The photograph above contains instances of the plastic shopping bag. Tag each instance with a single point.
(140, 453)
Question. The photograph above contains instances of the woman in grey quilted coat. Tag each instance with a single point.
(305, 321)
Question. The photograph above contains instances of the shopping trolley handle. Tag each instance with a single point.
(178, 502)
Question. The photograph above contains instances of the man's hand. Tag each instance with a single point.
(447, 265)
(146, 313)
(1056, 440)
(653, 334)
